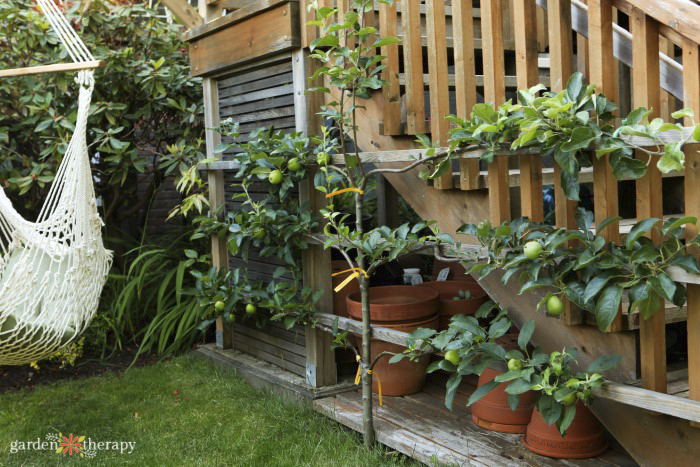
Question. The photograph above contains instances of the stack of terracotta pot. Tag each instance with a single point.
(404, 308)
(585, 437)
(450, 301)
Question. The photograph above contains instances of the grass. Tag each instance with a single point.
(180, 412)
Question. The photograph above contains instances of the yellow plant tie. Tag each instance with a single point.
(358, 376)
(345, 190)
(356, 273)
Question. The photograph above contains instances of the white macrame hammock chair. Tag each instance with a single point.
(52, 271)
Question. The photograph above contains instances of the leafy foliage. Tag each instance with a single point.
(146, 114)
(572, 126)
(591, 272)
(477, 340)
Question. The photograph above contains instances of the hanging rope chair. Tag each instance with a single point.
(52, 271)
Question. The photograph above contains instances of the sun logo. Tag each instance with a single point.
(70, 445)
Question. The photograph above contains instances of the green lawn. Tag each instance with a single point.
(218, 420)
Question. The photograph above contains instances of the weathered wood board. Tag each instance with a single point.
(260, 35)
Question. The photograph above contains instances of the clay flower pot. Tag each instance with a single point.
(393, 303)
(405, 377)
(492, 411)
(449, 307)
(403, 308)
(584, 438)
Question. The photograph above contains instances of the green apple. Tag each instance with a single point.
(323, 158)
(275, 177)
(555, 306)
(570, 399)
(532, 249)
(293, 165)
(515, 365)
(250, 308)
(453, 357)
(219, 305)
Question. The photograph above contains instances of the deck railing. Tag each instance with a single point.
(658, 41)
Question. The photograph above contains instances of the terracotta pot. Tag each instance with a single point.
(585, 437)
(405, 377)
(457, 271)
(339, 305)
(450, 307)
(395, 303)
(492, 411)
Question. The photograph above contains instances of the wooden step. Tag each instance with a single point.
(421, 427)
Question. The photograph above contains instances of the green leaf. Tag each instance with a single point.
(607, 306)
(565, 423)
(549, 409)
(452, 385)
(385, 41)
(329, 40)
(519, 386)
(683, 113)
(639, 229)
(674, 223)
(526, 334)
(574, 85)
(481, 391)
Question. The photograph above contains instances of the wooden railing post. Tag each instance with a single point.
(646, 82)
(495, 91)
(316, 261)
(561, 56)
(465, 80)
(691, 89)
(413, 67)
(389, 27)
(601, 59)
(527, 71)
(438, 76)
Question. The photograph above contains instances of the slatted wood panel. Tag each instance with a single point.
(261, 97)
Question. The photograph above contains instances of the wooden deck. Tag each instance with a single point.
(421, 427)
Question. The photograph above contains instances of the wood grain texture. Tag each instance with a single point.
(465, 80)
(691, 81)
(494, 91)
(438, 71)
(272, 31)
(184, 12)
(526, 56)
(646, 77)
(316, 261)
(53, 68)
(388, 27)
(413, 67)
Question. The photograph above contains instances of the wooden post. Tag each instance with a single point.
(316, 261)
(527, 72)
(561, 56)
(389, 27)
(413, 67)
(495, 91)
(219, 253)
(387, 203)
(308, 33)
(465, 81)
(646, 82)
(602, 73)
(438, 76)
(186, 13)
(691, 99)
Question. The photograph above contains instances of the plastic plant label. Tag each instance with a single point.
(442, 275)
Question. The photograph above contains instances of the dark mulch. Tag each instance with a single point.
(26, 377)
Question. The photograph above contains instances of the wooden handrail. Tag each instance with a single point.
(54, 68)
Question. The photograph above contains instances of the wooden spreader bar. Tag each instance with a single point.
(56, 67)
